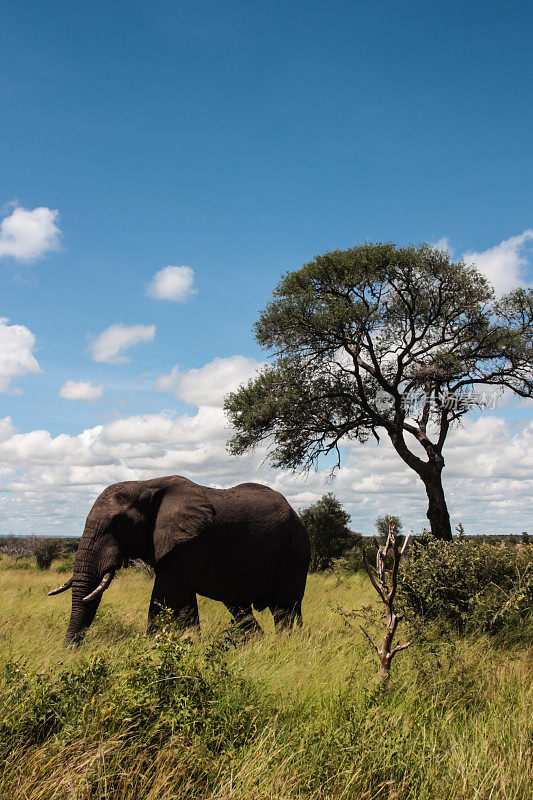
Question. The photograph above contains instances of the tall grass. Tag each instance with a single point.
(285, 717)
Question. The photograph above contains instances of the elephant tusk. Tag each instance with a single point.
(100, 589)
(62, 588)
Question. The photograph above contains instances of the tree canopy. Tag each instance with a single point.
(379, 338)
(382, 524)
(327, 524)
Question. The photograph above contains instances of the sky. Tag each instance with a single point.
(163, 164)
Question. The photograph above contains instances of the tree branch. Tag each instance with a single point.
(387, 652)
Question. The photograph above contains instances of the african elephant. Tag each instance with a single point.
(244, 546)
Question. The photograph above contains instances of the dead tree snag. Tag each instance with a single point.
(387, 652)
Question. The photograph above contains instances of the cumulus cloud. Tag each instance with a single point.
(16, 357)
(49, 482)
(85, 391)
(505, 264)
(172, 283)
(208, 385)
(6, 429)
(27, 235)
(444, 244)
(111, 345)
(208, 424)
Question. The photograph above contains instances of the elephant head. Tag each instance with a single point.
(135, 519)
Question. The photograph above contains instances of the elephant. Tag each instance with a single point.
(244, 546)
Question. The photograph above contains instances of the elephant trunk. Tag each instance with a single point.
(96, 560)
(82, 613)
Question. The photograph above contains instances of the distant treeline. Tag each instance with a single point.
(24, 546)
(348, 551)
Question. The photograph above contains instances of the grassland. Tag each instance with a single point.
(285, 717)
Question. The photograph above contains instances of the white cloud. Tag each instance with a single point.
(444, 244)
(28, 235)
(208, 424)
(111, 344)
(52, 480)
(82, 390)
(6, 429)
(48, 483)
(208, 385)
(16, 357)
(172, 283)
(504, 265)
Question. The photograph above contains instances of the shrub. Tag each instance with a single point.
(65, 563)
(326, 521)
(17, 546)
(45, 551)
(70, 545)
(468, 585)
(382, 525)
(352, 560)
(166, 687)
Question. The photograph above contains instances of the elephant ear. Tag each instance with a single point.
(184, 513)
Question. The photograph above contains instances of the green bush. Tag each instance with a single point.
(327, 524)
(65, 563)
(70, 545)
(297, 717)
(46, 551)
(170, 686)
(471, 586)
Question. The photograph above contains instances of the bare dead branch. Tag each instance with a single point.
(372, 642)
(398, 647)
(402, 551)
(369, 573)
(387, 651)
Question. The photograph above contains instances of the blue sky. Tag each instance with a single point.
(239, 139)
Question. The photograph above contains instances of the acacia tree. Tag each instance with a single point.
(378, 339)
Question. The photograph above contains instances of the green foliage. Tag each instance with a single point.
(169, 686)
(382, 524)
(296, 717)
(65, 563)
(327, 524)
(46, 551)
(468, 585)
(352, 559)
(70, 545)
(335, 324)
(380, 339)
(45, 702)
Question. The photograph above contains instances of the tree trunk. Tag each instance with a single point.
(439, 518)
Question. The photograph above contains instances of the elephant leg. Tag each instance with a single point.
(244, 618)
(183, 605)
(287, 616)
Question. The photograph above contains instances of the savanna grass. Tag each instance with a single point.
(285, 717)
